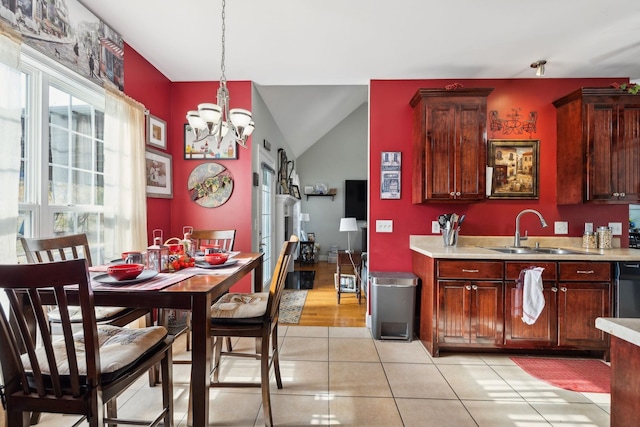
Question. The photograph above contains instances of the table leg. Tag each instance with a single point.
(200, 358)
(258, 277)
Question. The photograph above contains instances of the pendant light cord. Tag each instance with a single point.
(223, 79)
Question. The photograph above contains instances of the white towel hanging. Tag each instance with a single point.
(532, 295)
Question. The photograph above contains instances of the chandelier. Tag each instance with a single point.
(216, 120)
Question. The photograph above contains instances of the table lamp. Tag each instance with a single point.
(348, 225)
(304, 217)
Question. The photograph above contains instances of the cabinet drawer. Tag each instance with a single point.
(512, 269)
(585, 271)
(470, 270)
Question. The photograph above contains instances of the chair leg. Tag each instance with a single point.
(275, 359)
(216, 357)
(229, 348)
(112, 410)
(167, 386)
(264, 375)
(188, 331)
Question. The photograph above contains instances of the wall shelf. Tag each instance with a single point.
(332, 193)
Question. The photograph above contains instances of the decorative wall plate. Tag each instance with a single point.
(210, 185)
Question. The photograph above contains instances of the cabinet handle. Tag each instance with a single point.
(464, 270)
(458, 193)
(554, 289)
(474, 287)
(563, 289)
(452, 194)
(622, 194)
(616, 194)
(468, 287)
(585, 271)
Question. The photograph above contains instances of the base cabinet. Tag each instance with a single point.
(470, 312)
(469, 304)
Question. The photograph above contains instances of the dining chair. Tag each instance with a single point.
(76, 246)
(223, 238)
(253, 315)
(72, 373)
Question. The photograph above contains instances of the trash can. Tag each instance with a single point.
(393, 296)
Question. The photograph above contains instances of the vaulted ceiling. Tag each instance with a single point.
(328, 50)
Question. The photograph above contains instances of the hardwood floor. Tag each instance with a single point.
(321, 307)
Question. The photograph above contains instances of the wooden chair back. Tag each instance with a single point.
(224, 238)
(59, 248)
(63, 374)
(279, 278)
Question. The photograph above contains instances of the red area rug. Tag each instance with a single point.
(583, 375)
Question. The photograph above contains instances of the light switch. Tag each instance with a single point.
(561, 227)
(384, 226)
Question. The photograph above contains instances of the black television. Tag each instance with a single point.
(355, 199)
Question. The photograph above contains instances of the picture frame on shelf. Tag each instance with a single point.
(156, 132)
(158, 167)
(207, 149)
(295, 191)
(309, 189)
(311, 237)
(516, 168)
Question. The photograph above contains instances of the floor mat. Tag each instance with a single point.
(300, 280)
(582, 375)
(291, 306)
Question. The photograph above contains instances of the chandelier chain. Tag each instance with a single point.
(223, 78)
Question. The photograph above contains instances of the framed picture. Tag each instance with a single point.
(295, 191)
(156, 132)
(347, 282)
(208, 148)
(390, 177)
(311, 237)
(159, 174)
(515, 166)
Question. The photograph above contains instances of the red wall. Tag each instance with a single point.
(391, 129)
(170, 102)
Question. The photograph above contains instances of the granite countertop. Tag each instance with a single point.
(623, 328)
(474, 247)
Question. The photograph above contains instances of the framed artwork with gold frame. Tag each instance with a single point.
(516, 167)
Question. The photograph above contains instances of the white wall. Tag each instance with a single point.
(340, 155)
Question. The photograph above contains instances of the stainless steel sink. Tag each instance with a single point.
(538, 250)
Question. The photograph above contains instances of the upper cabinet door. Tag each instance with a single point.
(450, 145)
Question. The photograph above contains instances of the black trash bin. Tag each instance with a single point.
(393, 296)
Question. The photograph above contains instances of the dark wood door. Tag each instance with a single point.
(543, 333)
(579, 304)
(486, 312)
(470, 152)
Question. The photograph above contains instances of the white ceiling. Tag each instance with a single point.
(299, 52)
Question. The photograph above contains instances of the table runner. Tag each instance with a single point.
(218, 271)
(161, 281)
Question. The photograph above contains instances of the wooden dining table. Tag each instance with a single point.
(195, 293)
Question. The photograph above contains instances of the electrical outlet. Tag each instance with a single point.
(384, 226)
(616, 228)
(435, 227)
(561, 227)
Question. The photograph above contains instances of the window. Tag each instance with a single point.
(62, 156)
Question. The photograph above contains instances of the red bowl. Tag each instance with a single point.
(175, 247)
(216, 259)
(125, 271)
(204, 247)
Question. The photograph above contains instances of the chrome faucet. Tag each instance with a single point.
(517, 238)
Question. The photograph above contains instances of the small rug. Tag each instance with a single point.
(291, 306)
(582, 375)
(300, 279)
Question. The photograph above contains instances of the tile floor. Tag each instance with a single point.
(341, 376)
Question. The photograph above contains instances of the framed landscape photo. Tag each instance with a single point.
(156, 132)
(159, 174)
(208, 148)
(516, 167)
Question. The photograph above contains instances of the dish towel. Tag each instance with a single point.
(532, 296)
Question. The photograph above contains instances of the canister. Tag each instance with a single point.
(589, 240)
(604, 237)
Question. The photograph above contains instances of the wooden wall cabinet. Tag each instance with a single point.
(449, 145)
(598, 148)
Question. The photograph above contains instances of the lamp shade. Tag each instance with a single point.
(348, 224)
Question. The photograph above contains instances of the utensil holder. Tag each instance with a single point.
(450, 237)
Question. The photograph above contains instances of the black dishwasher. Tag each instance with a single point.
(627, 292)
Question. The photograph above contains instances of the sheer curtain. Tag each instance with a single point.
(10, 133)
(125, 178)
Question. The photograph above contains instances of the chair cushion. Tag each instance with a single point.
(245, 307)
(75, 315)
(119, 349)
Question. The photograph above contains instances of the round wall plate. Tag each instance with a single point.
(210, 185)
